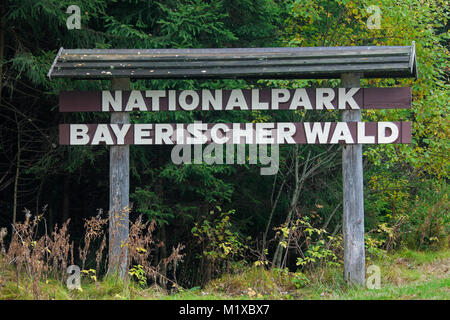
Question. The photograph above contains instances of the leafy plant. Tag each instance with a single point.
(137, 271)
(300, 280)
(219, 241)
(150, 204)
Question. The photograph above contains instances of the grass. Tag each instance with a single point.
(406, 274)
(435, 289)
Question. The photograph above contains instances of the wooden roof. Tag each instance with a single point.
(242, 63)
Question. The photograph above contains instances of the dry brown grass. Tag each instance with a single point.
(36, 255)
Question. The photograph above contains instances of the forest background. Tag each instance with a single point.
(224, 217)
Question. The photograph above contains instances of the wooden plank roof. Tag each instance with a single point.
(242, 63)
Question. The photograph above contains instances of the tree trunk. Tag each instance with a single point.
(274, 206)
(2, 41)
(276, 262)
(163, 253)
(66, 200)
(16, 181)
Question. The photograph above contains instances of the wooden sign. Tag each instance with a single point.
(255, 99)
(236, 133)
(349, 64)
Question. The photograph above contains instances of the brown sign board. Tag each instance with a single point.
(237, 99)
(236, 133)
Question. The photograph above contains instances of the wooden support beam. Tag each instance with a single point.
(353, 202)
(119, 187)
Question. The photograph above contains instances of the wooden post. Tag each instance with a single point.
(353, 202)
(119, 187)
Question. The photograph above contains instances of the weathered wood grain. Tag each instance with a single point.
(119, 187)
(353, 202)
(246, 63)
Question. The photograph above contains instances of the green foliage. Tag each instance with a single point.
(428, 223)
(198, 24)
(138, 272)
(317, 253)
(406, 191)
(150, 204)
(300, 280)
(339, 22)
(414, 213)
(200, 180)
(255, 282)
(374, 246)
(320, 248)
(218, 240)
(396, 174)
(91, 274)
